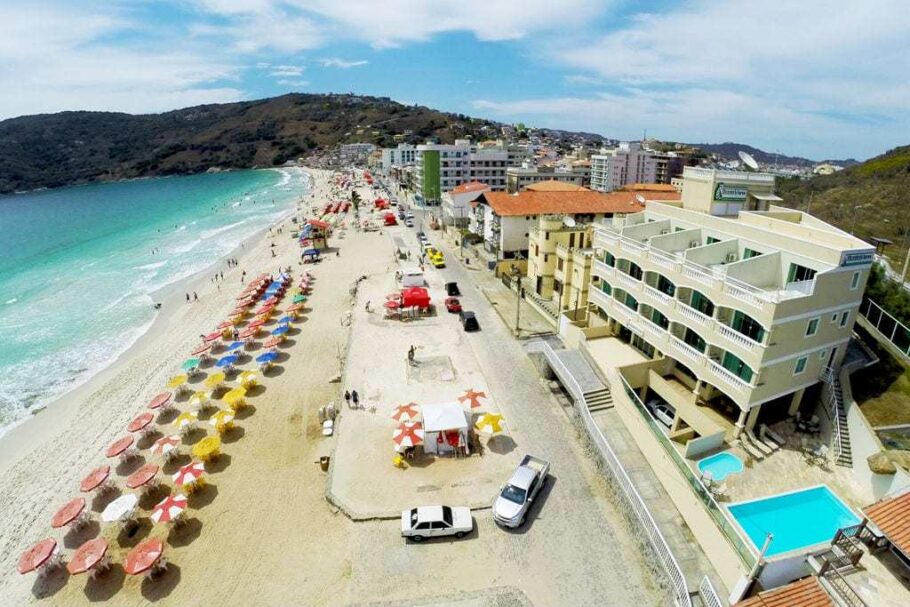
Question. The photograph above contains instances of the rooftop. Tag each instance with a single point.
(471, 186)
(892, 516)
(530, 202)
(650, 187)
(551, 185)
(807, 592)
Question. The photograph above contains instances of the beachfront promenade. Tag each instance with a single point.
(264, 532)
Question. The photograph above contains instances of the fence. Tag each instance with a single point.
(894, 331)
(668, 565)
(718, 514)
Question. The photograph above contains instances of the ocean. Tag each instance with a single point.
(77, 272)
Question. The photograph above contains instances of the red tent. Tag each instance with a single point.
(415, 296)
(381, 203)
(390, 220)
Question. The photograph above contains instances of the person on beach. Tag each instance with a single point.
(347, 398)
(355, 398)
(195, 296)
(187, 298)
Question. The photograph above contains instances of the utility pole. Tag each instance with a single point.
(516, 276)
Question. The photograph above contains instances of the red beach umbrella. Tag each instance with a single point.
(169, 509)
(474, 397)
(272, 342)
(237, 312)
(142, 476)
(165, 444)
(296, 307)
(188, 474)
(391, 305)
(143, 557)
(406, 413)
(224, 324)
(119, 446)
(271, 301)
(213, 336)
(160, 400)
(408, 435)
(68, 512)
(201, 349)
(141, 421)
(37, 555)
(87, 556)
(250, 332)
(95, 478)
(256, 323)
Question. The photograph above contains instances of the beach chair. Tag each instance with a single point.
(769, 434)
(748, 448)
(768, 447)
(756, 444)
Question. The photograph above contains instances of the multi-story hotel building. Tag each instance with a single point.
(737, 301)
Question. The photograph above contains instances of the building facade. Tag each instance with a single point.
(519, 178)
(403, 155)
(743, 303)
(559, 264)
(440, 168)
(631, 163)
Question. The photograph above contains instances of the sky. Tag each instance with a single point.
(819, 79)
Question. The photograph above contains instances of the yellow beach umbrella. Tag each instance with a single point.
(199, 399)
(248, 378)
(214, 380)
(186, 419)
(177, 381)
(489, 423)
(208, 448)
(222, 420)
(235, 398)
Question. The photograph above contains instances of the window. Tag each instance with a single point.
(854, 282)
(800, 365)
(812, 327)
(834, 318)
(821, 354)
(732, 363)
(800, 273)
(665, 286)
(559, 264)
(631, 302)
(659, 319)
(712, 240)
(702, 304)
(694, 339)
(844, 318)
(635, 271)
(610, 260)
(750, 253)
(748, 326)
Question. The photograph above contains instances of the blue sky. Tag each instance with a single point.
(818, 79)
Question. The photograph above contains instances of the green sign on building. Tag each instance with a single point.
(430, 190)
(730, 193)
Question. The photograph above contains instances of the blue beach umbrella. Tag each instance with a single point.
(281, 330)
(285, 320)
(268, 357)
(235, 346)
(227, 361)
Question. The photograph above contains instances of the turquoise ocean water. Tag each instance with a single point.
(77, 273)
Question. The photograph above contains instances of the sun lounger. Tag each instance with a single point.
(747, 436)
(769, 434)
(748, 448)
(768, 447)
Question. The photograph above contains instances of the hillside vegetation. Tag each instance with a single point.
(79, 147)
(872, 199)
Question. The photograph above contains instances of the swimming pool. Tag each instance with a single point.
(721, 465)
(798, 519)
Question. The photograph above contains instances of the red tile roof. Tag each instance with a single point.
(551, 185)
(892, 517)
(650, 187)
(807, 592)
(538, 203)
(471, 186)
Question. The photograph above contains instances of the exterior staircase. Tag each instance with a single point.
(834, 395)
(544, 305)
(599, 400)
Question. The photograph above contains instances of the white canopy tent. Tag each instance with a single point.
(445, 427)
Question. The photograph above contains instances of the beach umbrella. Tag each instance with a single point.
(160, 400)
(214, 380)
(140, 422)
(272, 342)
(207, 448)
(190, 363)
(224, 324)
(68, 512)
(201, 349)
(188, 474)
(257, 323)
(142, 476)
(119, 446)
(198, 400)
(121, 508)
(299, 299)
(408, 434)
(393, 296)
(406, 413)
(281, 330)
(391, 305)
(177, 381)
(285, 319)
(237, 345)
(297, 308)
(143, 557)
(165, 445)
(37, 555)
(222, 419)
(212, 336)
(169, 509)
(238, 313)
(87, 556)
(489, 423)
(227, 361)
(235, 398)
(472, 396)
(95, 479)
(248, 378)
(250, 332)
(270, 301)
(185, 419)
(266, 358)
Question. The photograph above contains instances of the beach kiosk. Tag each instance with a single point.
(445, 427)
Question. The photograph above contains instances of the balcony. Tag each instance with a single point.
(600, 298)
(602, 270)
(729, 379)
(658, 296)
(738, 339)
(628, 282)
(695, 316)
(687, 352)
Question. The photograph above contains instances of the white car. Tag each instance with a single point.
(434, 521)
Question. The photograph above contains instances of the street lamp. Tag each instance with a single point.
(853, 223)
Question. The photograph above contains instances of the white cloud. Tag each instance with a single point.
(341, 63)
(583, 80)
(295, 83)
(286, 70)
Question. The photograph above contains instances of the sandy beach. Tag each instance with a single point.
(262, 531)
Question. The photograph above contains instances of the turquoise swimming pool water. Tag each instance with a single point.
(797, 520)
(721, 465)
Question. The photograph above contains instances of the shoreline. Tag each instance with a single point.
(17, 438)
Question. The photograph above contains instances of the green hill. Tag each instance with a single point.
(68, 148)
(870, 199)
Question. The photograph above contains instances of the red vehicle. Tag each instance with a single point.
(390, 220)
(453, 305)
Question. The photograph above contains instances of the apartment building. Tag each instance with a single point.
(739, 305)
(631, 163)
(519, 178)
(440, 168)
(403, 155)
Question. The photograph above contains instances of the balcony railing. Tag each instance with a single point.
(601, 299)
(658, 296)
(695, 316)
(627, 281)
(603, 270)
(687, 351)
(731, 379)
(734, 336)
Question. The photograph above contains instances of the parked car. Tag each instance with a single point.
(452, 289)
(662, 412)
(510, 508)
(468, 321)
(453, 305)
(437, 259)
(408, 223)
(434, 521)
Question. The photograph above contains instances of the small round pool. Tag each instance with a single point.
(721, 465)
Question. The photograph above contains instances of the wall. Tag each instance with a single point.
(700, 447)
(783, 571)
(514, 232)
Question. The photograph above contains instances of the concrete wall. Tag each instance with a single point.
(783, 571)
(700, 447)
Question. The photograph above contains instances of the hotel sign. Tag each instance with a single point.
(860, 258)
(730, 193)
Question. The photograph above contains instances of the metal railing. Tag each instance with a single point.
(708, 593)
(829, 396)
(837, 585)
(669, 567)
(891, 329)
(720, 516)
